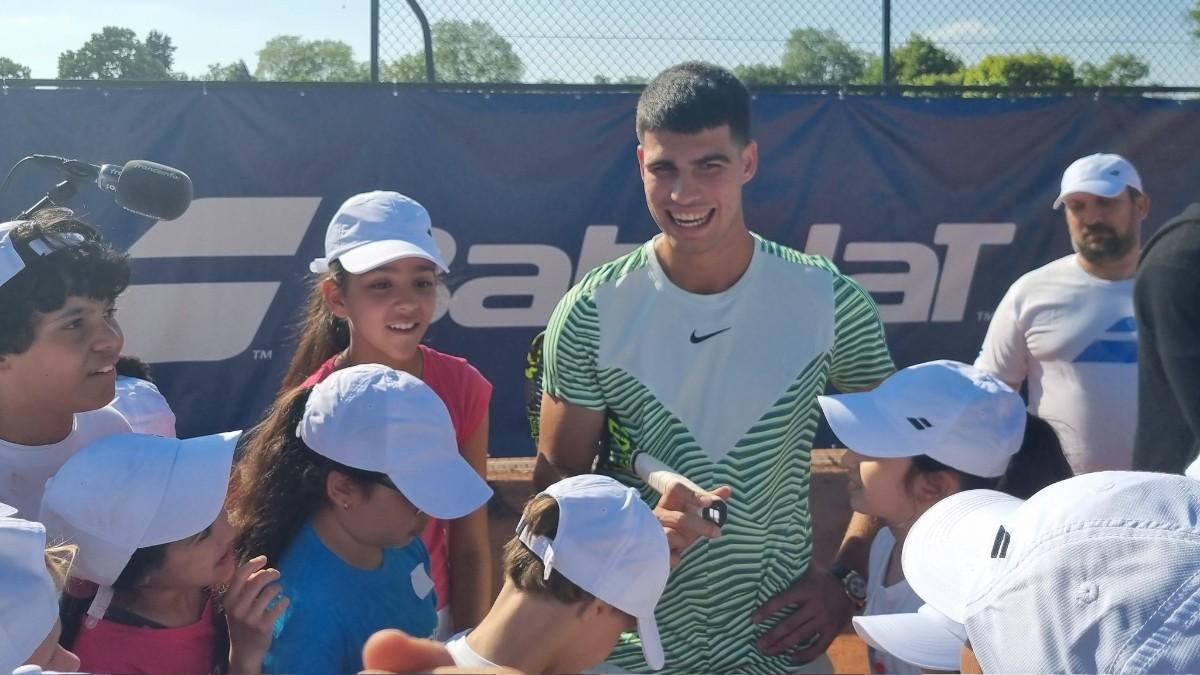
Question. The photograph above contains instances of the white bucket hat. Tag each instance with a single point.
(952, 412)
(129, 491)
(29, 600)
(1104, 175)
(610, 544)
(374, 418)
(373, 229)
(1103, 570)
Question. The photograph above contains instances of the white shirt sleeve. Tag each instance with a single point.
(1005, 352)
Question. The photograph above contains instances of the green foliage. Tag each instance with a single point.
(11, 70)
(462, 52)
(232, 72)
(814, 56)
(1031, 69)
(1194, 12)
(116, 54)
(289, 58)
(1120, 70)
(762, 75)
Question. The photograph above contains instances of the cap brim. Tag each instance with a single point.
(443, 486)
(378, 253)
(947, 550)
(917, 638)
(196, 488)
(6, 510)
(861, 426)
(1102, 188)
(651, 641)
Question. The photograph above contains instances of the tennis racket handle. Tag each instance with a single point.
(659, 476)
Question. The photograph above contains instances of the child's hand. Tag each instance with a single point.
(251, 614)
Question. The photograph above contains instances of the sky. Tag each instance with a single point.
(572, 40)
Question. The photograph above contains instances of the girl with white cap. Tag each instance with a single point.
(374, 297)
(148, 516)
(927, 432)
(31, 577)
(336, 485)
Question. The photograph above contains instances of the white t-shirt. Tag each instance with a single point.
(898, 598)
(1073, 337)
(24, 469)
(463, 655)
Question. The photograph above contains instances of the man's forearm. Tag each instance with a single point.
(855, 550)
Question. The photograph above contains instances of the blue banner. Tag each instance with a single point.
(935, 205)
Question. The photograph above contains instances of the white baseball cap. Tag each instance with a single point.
(144, 407)
(1103, 570)
(129, 491)
(925, 638)
(1100, 174)
(610, 544)
(373, 229)
(952, 412)
(29, 601)
(374, 418)
(11, 262)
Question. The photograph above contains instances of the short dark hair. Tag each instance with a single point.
(90, 268)
(694, 96)
(132, 366)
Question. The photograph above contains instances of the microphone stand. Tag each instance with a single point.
(58, 195)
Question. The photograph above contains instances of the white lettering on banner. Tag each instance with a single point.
(175, 322)
(925, 285)
(211, 321)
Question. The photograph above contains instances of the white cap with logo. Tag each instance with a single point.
(955, 413)
(374, 418)
(29, 601)
(610, 544)
(1104, 175)
(1102, 570)
(129, 491)
(373, 229)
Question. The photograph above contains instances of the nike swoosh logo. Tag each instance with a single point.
(697, 339)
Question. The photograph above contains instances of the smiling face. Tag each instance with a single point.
(71, 363)
(388, 310)
(693, 184)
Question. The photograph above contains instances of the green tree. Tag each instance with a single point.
(462, 52)
(1120, 70)
(1195, 14)
(814, 56)
(11, 70)
(116, 54)
(289, 58)
(231, 72)
(1031, 69)
(918, 61)
(762, 75)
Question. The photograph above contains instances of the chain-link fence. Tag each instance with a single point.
(1060, 43)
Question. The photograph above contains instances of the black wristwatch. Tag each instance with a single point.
(854, 583)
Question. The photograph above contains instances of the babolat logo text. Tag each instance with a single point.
(919, 423)
(214, 321)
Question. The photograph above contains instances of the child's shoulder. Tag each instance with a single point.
(451, 367)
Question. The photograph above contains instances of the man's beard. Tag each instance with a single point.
(1105, 245)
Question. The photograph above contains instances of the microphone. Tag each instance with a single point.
(143, 187)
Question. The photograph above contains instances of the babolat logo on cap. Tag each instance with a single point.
(1000, 545)
(919, 423)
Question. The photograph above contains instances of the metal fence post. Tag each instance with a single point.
(375, 40)
(886, 75)
(428, 36)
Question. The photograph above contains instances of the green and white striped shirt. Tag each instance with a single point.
(723, 389)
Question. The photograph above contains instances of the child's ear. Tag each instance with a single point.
(933, 486)
(335, 300)
(5, 362)
(343, 493)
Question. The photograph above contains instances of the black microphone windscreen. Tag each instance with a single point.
(153, 190)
